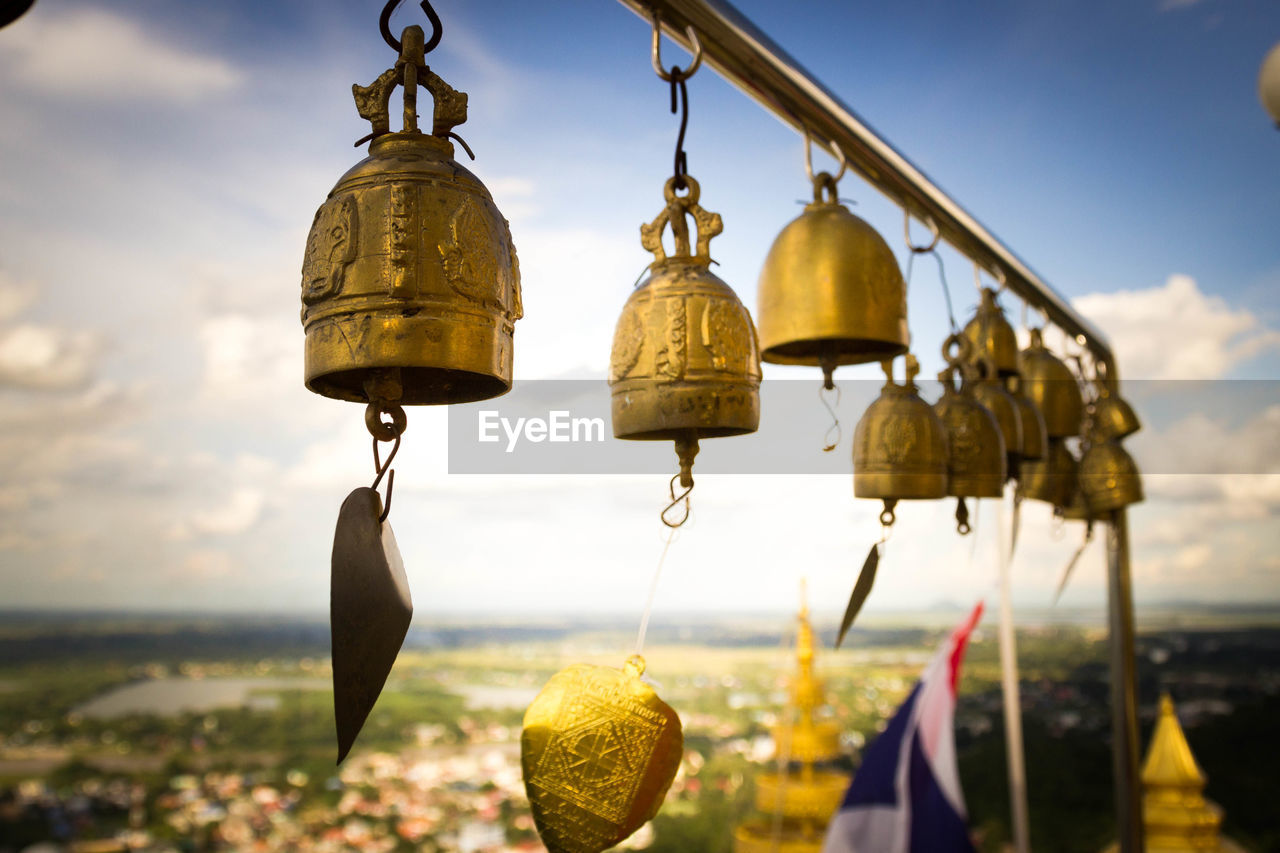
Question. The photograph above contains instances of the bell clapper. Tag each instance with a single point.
(962, 517)
(887, 517)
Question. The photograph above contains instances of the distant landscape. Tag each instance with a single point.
(204, 732)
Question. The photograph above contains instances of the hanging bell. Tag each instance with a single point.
(899, 446)
(1051, 479)
(976, 463)
(1004, 408)
(1076, 509)
(1109, 477)
(1033, 429)
(991, 336)
(1113, 417)
(410, 279)
(830, 292)
(1050, 385)
(685, 362)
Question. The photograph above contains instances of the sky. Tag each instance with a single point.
(160, 164)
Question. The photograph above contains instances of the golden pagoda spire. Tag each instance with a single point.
(1175, 815)
(799, 797)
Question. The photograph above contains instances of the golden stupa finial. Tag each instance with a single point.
(1175, 815)
(1170, 763)
(800, 794)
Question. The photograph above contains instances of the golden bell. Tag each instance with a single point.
(830, 292)
(1051, 479)
(1000, 403)
(991, 336)
(410, 281)
(685, 362)
(976, 463)
(1050, 385)
(1113, 417)
(1109, 477)
(1076, 509)
(1034, 438)
(899, 446)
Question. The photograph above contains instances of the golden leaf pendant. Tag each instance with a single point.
(599, 751)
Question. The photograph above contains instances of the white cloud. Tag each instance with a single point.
(44, 357)
(246, 357)
(1176, 331)
(238, 514)
(96, 54)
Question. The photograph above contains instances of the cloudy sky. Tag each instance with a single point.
(162, 163)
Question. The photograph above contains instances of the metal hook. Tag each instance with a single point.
(683, 496)
(808, 158)
(681, 164)
(385, 468)
(906, 233)
(835, 419)
(656, 53)
(384, 25)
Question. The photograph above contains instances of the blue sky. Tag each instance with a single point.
(161, 451)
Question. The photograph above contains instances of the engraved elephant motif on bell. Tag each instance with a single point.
(685, 363)
(1050, 385)
(410, 271)
(1109, 477)
(900, 447)
(1052, 479)
(830, 291)
(988, 391)
(991, 336)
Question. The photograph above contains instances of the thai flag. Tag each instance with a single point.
(906, 798)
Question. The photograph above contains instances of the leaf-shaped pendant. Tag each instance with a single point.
(369, 611)
(599, 751)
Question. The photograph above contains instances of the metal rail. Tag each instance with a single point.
(749, 59)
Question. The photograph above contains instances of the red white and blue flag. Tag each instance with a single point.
(906, 797)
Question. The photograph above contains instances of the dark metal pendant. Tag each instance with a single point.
(369, 611)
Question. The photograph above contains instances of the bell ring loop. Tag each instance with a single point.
(691, 197)
(676, 499)
(887, 518)
(933, 230)
(385, 430)
(825, 181)
(996, 273)
(674, 73)
(808, 158)
(956, 349)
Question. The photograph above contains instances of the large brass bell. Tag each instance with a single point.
(410, 281)
(991, 336)
(685, 362)
(1050, 385)
(1003, 407)
(1109, 477)
(1034, 438)
(831, 292)
(1051, 479)
(899, 446)
(976, 462)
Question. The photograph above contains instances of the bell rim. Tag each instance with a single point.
(778, 353)
(485, 386)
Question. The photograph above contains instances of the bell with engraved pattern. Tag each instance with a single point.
(830, 292)
(410, 279)
(1050, 385)
(991, 336)
(899, 446)
(685, 363)
(976, 462)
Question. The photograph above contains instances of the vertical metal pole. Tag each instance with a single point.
(1015, 751)
(1124, 687)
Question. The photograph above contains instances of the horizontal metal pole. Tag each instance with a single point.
(749, 59)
